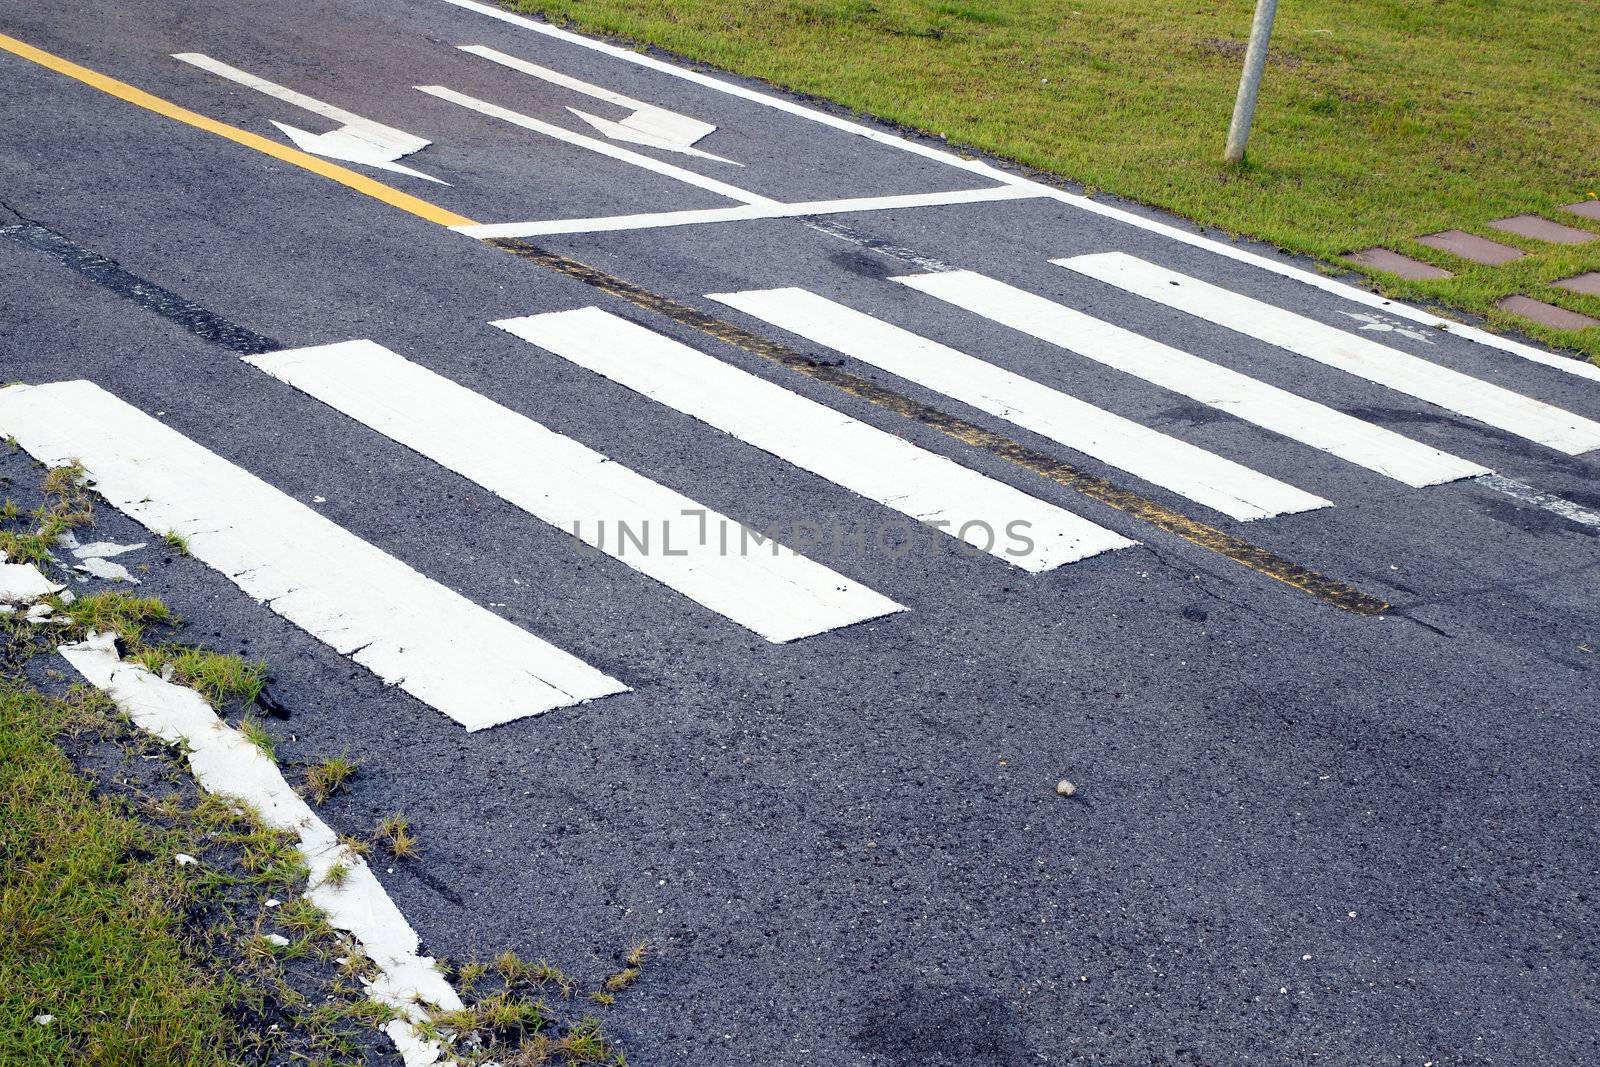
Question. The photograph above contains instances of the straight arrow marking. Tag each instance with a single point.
(358, 140)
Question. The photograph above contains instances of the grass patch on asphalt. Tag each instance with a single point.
(1379, 119)
(146, 924)
(91, 903)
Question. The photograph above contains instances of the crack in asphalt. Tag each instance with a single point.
(107, 273)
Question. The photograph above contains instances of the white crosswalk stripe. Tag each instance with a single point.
(877, 465)
(409, 630)
(1160, 459)
(574, 488)
(1278, 410)
(1449, 389)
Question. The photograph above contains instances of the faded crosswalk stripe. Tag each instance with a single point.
(1160, 459)
(577, 489)
(868, 461)
(1246, 398)
(1390, 367)
(406, 628)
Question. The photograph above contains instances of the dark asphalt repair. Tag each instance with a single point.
(1302, 834)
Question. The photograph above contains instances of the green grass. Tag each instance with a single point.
(218, 677)
(328, 776)
(90, 916)
(68, 506)
(121, 613)
(137, 960)
(1379, 119)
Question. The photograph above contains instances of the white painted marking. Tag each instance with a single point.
(97, 549)
(576, 489)
(22, 583)
(1581, 368)
(1162, 460)
(227, 763)
(698, 216)
(1278, 410)
(348, 146)
(1556, 505)
(95, 558)
(688, 177)
(1354, 354)
(649, 125)
(877, 465)
(410, 631)
(359, 140)
(106, 570)
(1379, 324)
(845, 232)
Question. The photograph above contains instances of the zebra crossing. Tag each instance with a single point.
(407, 629)
(481, 670)
(1158, 458)
(1411, 375)
(782, 596)
(870, 462)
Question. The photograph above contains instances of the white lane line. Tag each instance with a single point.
(845, 232)
(1162, 460)
(227, 763)
(1580, 367)
(359, 140)
(407, 629)
(649, 125)
(1361, 356)
(864, 459)
(576, 489)
(742, 214)
(1267, 406)
(1556, 505)
(688, 177)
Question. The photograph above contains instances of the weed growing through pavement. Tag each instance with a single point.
(218, 677)
(208, 927)
(177, 542)
(393, 833)
(257, 735)
(327, 777)
(67, 506)
(509, 1019)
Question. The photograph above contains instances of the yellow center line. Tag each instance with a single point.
(138, 97)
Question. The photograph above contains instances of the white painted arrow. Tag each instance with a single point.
(349, 145)
(648, 125)
(359, 140)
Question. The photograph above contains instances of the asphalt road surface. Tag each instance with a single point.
(1324, 682)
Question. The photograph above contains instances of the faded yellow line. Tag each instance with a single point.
(138, 97)
(1330, 590)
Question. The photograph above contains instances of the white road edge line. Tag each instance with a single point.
(924, 486)
(1392, 368)
(474, 666)
(1580, 368)
(780, 595)
(702, 216)
(1295, 417)
(1158, 458)
(667, 170)
(227, 763)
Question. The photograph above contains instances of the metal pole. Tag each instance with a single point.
(1255, 60)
